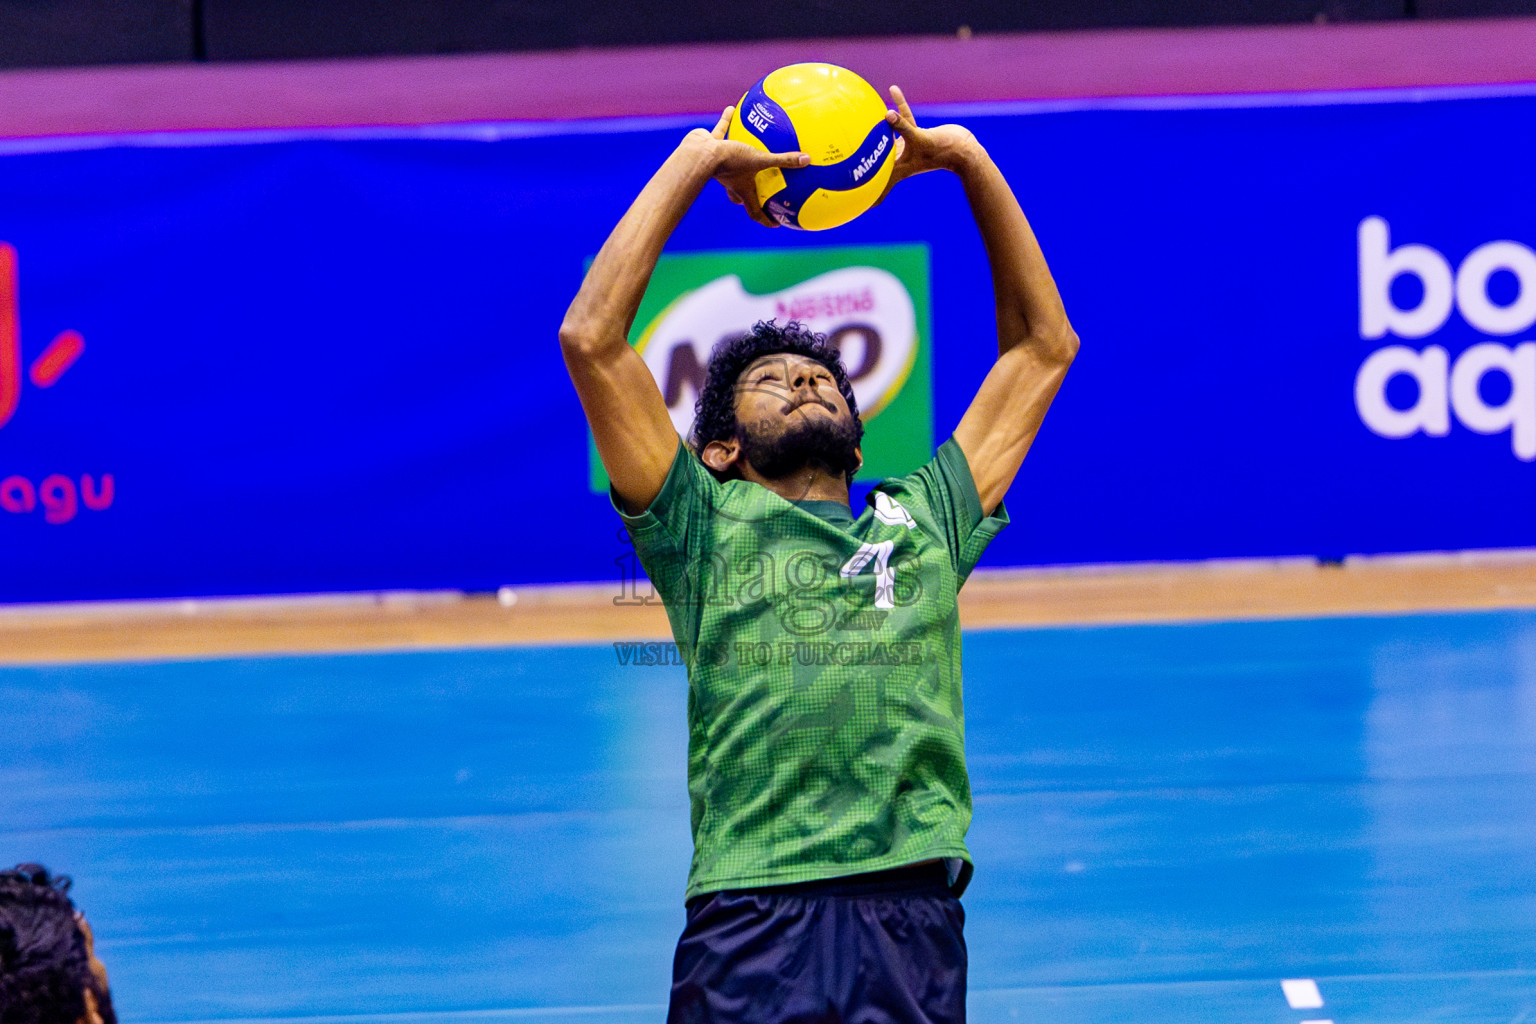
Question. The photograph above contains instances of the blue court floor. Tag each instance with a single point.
(1169, 821)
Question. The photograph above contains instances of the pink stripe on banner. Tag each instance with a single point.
(10, 336)
(59, 356)
(701, 79)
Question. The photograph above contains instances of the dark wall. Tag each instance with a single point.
(1473, 8)
(63, 32)
(54, 32)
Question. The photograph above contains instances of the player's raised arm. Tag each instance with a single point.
(634, 434)
(1035, 340)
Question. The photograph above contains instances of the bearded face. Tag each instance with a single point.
(790, 415)
(808, 437)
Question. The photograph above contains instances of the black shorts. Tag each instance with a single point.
(883, 948)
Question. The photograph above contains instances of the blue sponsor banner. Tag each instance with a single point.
(284, 363)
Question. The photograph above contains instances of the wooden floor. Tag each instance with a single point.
(1212, 591)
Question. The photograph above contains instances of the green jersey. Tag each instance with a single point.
(825, 725)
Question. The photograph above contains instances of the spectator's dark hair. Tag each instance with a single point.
(714, 415)
(44, 967)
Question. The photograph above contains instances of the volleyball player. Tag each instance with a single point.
(826, 767)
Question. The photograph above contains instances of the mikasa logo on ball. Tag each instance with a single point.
(868, 163)
(865, 311)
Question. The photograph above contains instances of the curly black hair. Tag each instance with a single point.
(714, 414)
(45, 969)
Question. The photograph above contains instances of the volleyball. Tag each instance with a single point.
(835, 117)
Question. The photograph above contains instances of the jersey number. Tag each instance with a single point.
(885, 576)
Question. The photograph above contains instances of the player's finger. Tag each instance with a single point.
(904, 127)
(756, 212)
(796, 159)
(901, 103)
(725, 122)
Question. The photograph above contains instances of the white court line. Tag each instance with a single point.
(1302, 994)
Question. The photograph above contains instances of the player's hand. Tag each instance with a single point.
(923, 149)
(736, 165)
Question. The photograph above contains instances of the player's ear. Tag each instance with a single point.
(721, 456)
(858, 453)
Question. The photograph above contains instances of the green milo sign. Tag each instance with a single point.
(870, 301)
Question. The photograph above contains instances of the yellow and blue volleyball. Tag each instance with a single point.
(835, 117)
